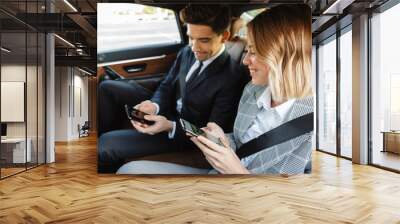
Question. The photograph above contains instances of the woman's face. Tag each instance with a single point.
(258, 68)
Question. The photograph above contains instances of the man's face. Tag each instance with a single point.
(204, 42)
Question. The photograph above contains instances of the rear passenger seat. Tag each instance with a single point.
(236, 50)
(235, 46)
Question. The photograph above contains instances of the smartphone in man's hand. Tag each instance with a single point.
(137, 115)
(195, 131)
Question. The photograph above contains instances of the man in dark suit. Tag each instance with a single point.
(204, 85)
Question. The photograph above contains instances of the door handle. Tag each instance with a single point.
(135, 68)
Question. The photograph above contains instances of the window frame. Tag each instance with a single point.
(378, 10)
(167, 48)
(333, 37)
(341, 32)
(25, 30)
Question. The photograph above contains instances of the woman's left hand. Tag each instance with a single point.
(221, 158)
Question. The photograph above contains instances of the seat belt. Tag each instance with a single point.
(280, 134)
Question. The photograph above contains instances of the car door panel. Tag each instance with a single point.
(149, 69)
(145, 67)
(150, 82)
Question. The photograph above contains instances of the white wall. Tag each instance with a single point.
(71, 93)
(12, 101)
(33, 126)
(13, 73)
(62, 81)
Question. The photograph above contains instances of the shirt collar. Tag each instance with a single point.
(264, 101)
(208, 61)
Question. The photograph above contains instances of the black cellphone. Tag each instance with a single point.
(195, 131)
(137, 115)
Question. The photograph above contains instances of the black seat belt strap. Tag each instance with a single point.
(280, 134)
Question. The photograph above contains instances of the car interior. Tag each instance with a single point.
(147, 67)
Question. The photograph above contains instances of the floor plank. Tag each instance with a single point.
(71, 191)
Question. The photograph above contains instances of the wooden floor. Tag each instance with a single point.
(71, 191)
(8, 171)
(5, 172)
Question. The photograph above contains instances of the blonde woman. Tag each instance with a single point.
(279, 60)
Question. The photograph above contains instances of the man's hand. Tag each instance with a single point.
(147, 106)
(161, 124)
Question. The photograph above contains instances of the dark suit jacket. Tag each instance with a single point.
(212, 97)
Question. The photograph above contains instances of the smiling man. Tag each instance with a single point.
(203, 85)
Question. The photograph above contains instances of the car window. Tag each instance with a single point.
(123, 26)
(247, 17)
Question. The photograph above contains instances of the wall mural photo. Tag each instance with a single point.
(204, 89)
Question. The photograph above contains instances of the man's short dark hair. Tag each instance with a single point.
(215, 16)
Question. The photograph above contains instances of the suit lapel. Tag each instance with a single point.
(211, 69)
(183, 72)
(182, 77)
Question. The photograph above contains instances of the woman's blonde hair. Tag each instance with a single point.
(281, 36)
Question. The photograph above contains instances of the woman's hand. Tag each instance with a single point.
(221, 158)
(216, 131)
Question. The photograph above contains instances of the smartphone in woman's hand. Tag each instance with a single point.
(192, 130)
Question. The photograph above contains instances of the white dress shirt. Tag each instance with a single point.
(267, 118)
